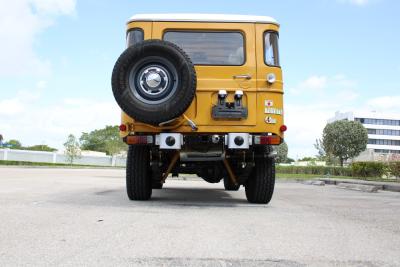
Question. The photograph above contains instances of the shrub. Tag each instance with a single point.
(394, 168)
(317, 170)
(368, 169)
(357, 169)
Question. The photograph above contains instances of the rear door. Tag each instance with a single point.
(224, 58)
(270, 93)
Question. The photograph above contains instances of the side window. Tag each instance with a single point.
(134, 36)
(271, 49)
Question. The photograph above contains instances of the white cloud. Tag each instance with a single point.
(321, 96)
(356, 2)
(57, 7)
(11, 106)
(17, 104)
(321, 84)
(26, 117)
(20, 23)
(359, 2)
(347, 95)
(50, 124)
(385, 103)
(341, 81)
(41, 84)
(305, 124)
(306, 121)
(314, 83)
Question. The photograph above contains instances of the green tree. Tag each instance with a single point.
(41, 148)
(104, 140)
(289, 160)
(308, 159)
(319, 146)
(72, 149)
(323, 155)
(344, 139)
(14, 144)
(282, 152)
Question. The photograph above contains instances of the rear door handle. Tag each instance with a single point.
(242, 76)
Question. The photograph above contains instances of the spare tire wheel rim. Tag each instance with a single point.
(153, 80)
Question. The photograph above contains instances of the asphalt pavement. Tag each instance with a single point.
(82, 217)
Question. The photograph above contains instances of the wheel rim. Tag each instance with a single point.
(153, 80)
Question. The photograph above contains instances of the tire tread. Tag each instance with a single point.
(260, 186)
(138, 183)
(229, 186)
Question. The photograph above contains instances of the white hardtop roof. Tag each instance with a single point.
(203, 18)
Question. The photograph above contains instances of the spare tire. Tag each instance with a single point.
(154, 81)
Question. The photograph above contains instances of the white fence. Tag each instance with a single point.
(370, 155)
(54, 157)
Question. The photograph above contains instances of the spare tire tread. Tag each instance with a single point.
(168, 110)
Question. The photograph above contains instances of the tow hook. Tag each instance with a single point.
(191, 123)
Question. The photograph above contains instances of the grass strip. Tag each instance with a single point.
(46, 164)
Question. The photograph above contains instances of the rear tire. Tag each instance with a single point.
(229, 186)
(260, 185)
(156, 177)
(138, 179)
(156, 185)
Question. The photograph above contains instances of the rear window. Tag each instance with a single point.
(210, 48)
(134, 36)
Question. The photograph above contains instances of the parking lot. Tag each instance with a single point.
(75, 217)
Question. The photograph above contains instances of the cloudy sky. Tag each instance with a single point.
(56, 58)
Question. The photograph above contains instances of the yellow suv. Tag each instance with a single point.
(200, 94)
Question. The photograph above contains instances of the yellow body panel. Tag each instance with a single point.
(210, 79)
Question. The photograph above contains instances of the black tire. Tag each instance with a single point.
(156, 185)
(229, 186)
(260, 185)
(156, 177)
(157, 99)
(138, 180)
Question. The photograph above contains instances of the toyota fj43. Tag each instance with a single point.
(200, 94)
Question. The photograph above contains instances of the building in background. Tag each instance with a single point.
(383, 133)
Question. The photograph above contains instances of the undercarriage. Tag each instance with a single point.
(210, 157)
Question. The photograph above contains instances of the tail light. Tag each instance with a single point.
(122, 128)
(267, 140)
(283, 128)
(139, 140)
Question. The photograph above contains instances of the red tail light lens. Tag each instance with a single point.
(283, 128)
(135, 140)
(122, 127)
(267, 140)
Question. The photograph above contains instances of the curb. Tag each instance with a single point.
(386, 186)
(360, 187)
(314, 182)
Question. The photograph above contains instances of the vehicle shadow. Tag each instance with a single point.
(198, 197)
(168, 196)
